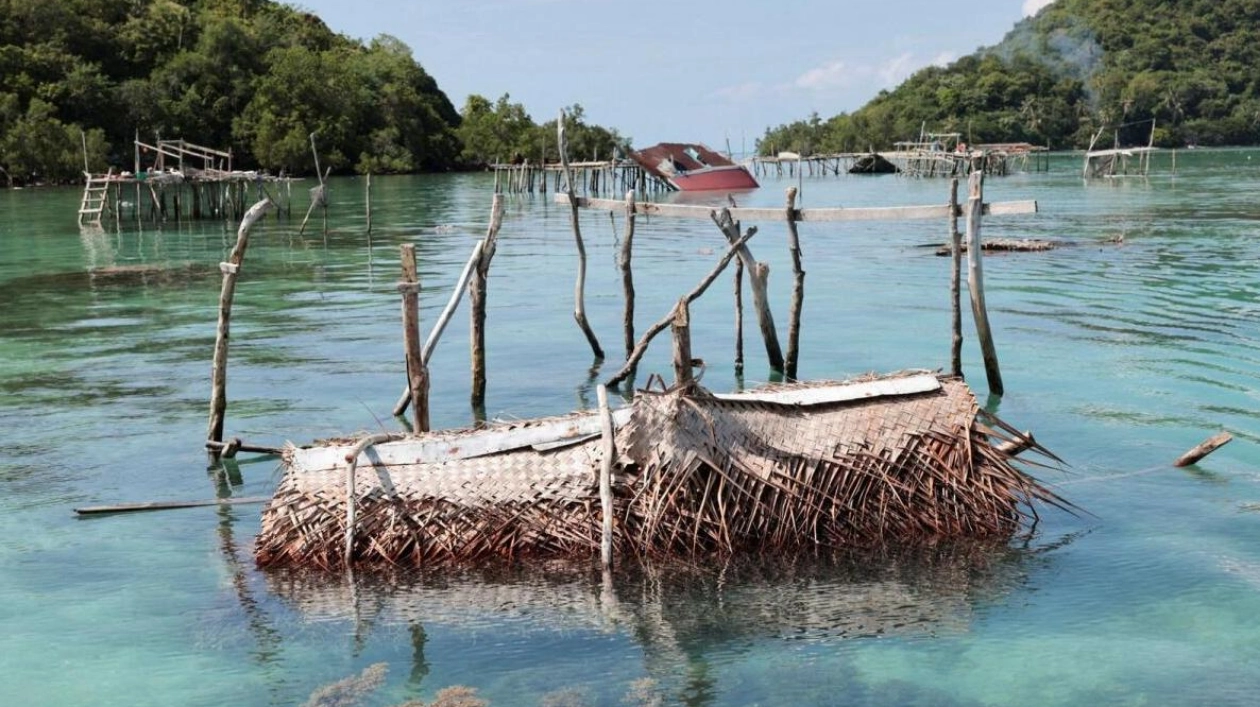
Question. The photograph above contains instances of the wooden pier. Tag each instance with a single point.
(616, 176)
(175, 180)
(914, 159)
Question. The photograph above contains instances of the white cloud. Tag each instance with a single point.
(1032, 7)
(896, 69)
(944, 59)
(829, 75)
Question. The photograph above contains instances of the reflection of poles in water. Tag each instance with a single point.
(419, 664)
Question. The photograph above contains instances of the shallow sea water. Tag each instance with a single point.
(1119, 351)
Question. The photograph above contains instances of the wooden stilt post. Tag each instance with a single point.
(443, 319)
(579, 288)
(739, 317)
(681, 327)
(477, 304)
(798, 290)
(975, 280)
(605, 478)
(231, 269)
(627, 276)
(758, 275)
(367, 202)
(955, 277)
(641, 347)
(417, 374)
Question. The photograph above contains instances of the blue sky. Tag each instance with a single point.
(656, 70)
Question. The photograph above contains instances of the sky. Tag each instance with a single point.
(714, 71)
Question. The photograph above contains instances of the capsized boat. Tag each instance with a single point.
(693, 167)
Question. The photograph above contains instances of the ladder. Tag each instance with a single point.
(95, 198)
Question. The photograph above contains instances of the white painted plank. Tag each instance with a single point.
(753, 215)
(805, 397)
(467, 446)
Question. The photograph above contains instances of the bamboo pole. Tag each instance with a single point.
(367, 202)
(955, 277)
(477, 304)
(444, 318)
(605, 478)
(641, 347)
(627, 275)
(975, 281)
(798, 290)
(758, 275)
(417, 374)
(681, 327)
(231, 269)
(579, 288)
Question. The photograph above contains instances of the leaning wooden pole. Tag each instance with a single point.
(758, 276)
(417, 373)
(955, 277)
(975, 281)
(477, 304)
(579, 288)
(798, 290)
(231, 269)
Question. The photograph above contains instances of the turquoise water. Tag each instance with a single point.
(1119, 352)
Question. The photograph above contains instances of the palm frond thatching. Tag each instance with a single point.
(696, 474)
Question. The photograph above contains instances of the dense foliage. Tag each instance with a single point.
(1185, 66)
(504, 132)
(252, 75)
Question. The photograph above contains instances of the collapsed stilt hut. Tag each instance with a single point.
(902, 458)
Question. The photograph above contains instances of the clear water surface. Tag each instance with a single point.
(1119, 351)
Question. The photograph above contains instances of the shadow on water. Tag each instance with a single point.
(688, 619)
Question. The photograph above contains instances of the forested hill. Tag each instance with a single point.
(1078, 65)
(253, 75)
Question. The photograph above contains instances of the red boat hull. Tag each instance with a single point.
(725, 177)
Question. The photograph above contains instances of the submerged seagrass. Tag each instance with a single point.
(695, 474)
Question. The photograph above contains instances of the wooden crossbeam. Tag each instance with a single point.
(878, 213)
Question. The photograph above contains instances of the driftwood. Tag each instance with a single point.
(579, 288)
(1203, 449)
(1013, 245)
(609, 442)
(231, 269)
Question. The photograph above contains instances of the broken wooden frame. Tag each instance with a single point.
(728, 220)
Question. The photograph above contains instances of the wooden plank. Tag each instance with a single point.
(166, 505)
(477, 444)
(845, 392)
(831, 215)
